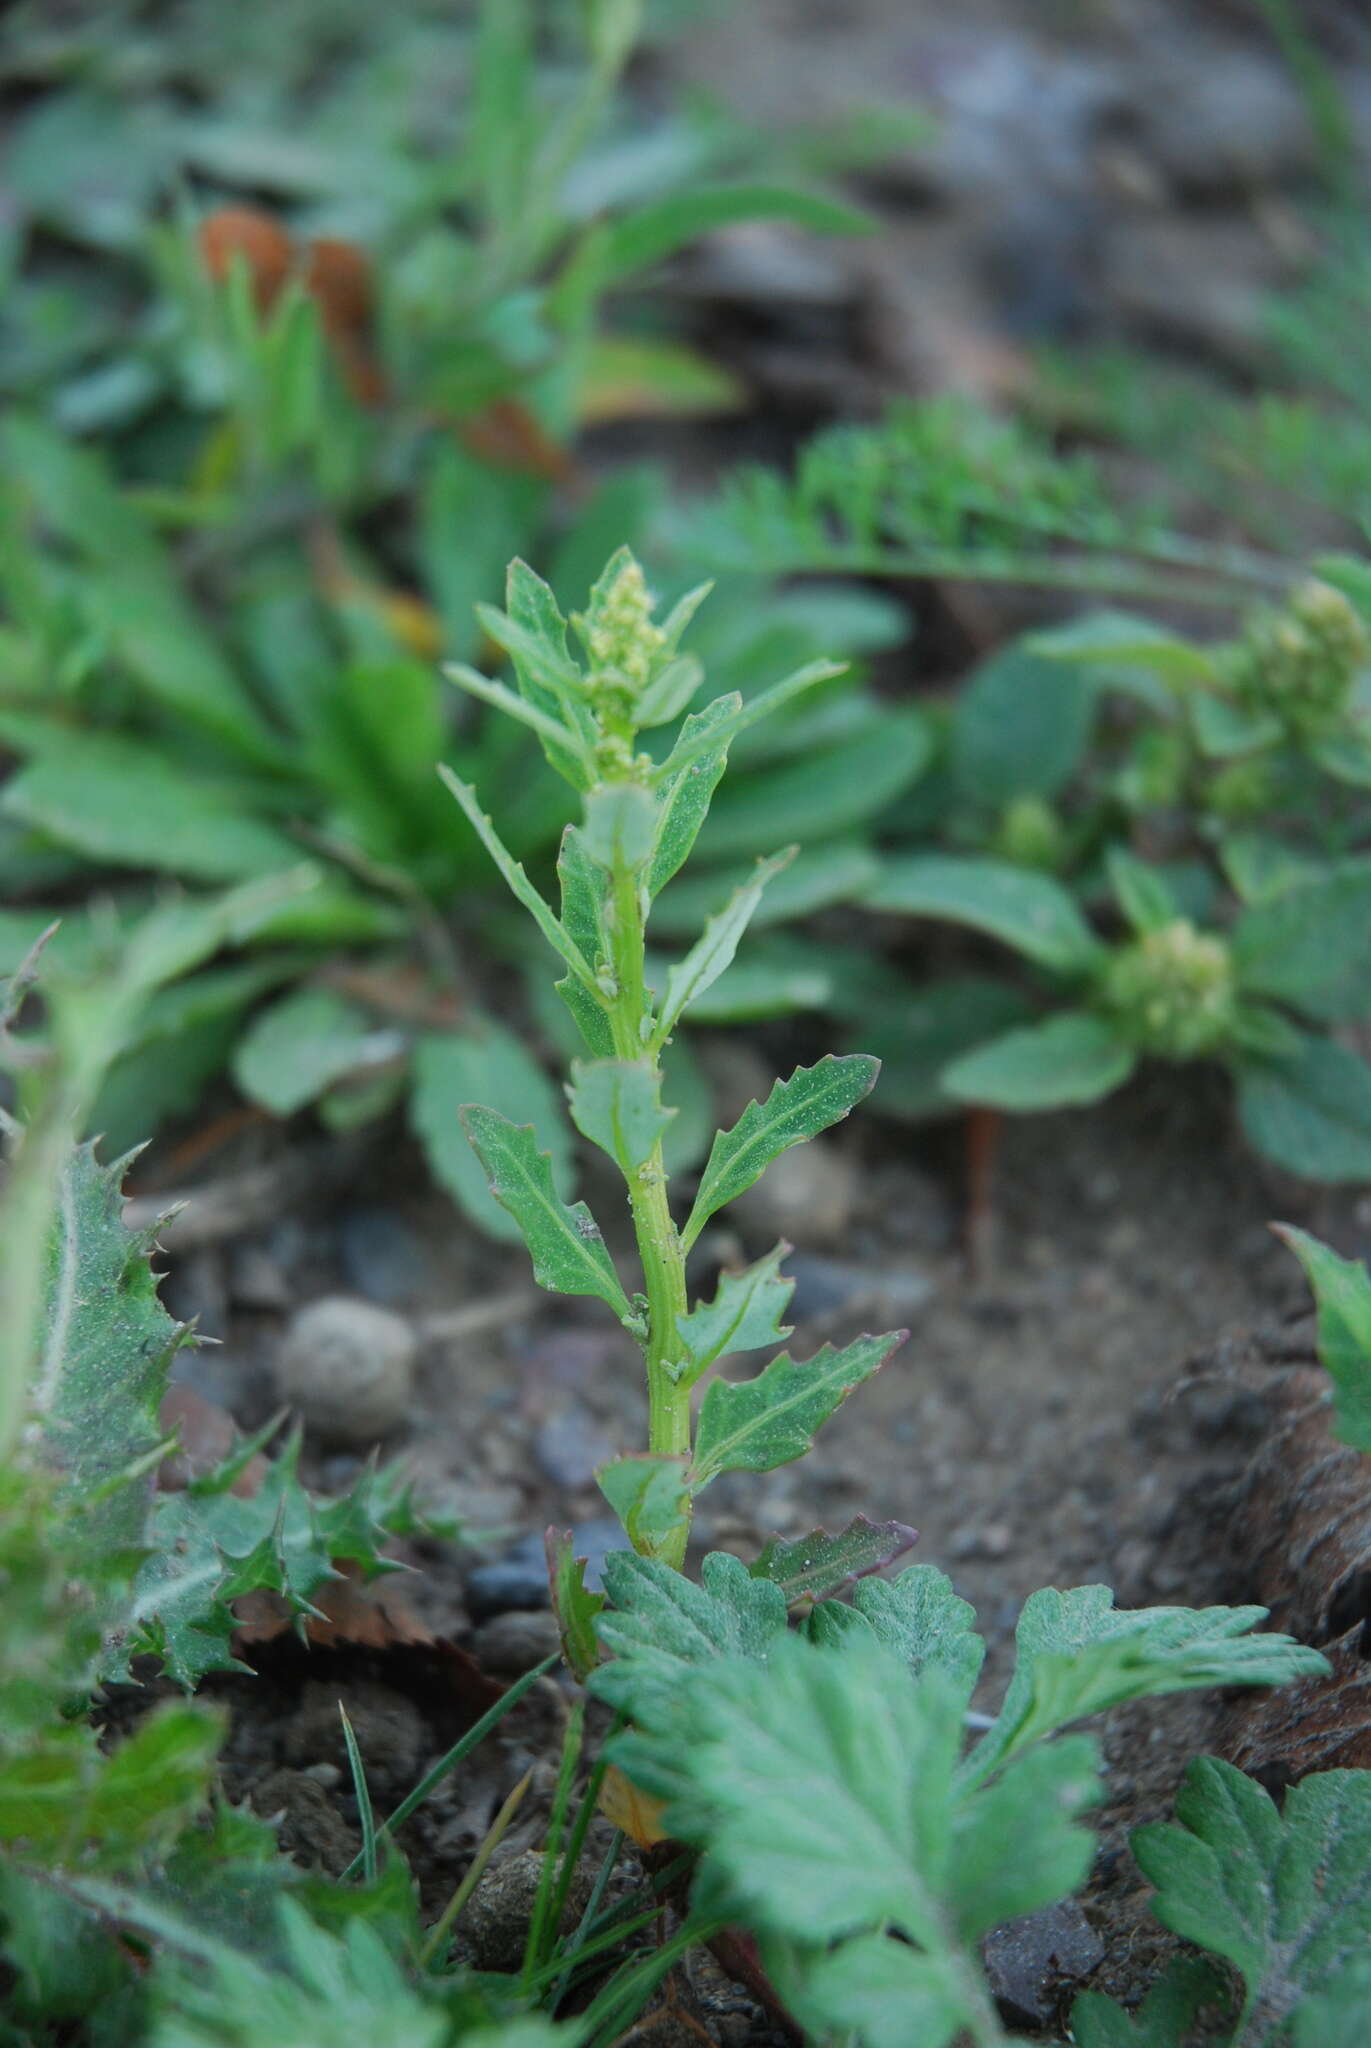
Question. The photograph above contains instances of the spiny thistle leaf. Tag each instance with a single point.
(106, 1352)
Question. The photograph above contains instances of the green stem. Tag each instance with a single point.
(659, 1244)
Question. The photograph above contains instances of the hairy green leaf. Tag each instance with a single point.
(1283, 1896)
(1165, 2015)
(917, 1617)
(754, 1425)
(685, 784)
(1078, 1654)
(517, 881)
(568, 1252)
(796, 1109)
(586, 893)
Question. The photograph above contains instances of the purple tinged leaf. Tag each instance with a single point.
(813, 1567)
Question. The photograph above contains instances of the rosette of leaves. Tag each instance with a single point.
(1262, 997)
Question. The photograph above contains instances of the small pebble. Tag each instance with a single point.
(1032, 1961)
(380, 1256)
(806, 1196)
(348, 1367)
(571, 1445)
(517, 1580)
(510, 1644)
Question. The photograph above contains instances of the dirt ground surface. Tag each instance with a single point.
(1122, 169)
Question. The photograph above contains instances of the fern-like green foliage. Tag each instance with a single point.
(944, 488)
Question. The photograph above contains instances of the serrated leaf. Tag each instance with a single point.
(660, 1625)
(1078, 1654)
(1165, 2015)
(716, 946)
(745, 1315)
(565, 1243)
(296, 1048)
(1342, 1294)
(488, 1064)
(1028, 911)
(573, 1603)
(617, 1104)
(650, 1496)
(882, 1838)
(917, 1617)
(686, 782)
(754, 1425)
(1310, 1112)
(1310, 946)
(815, 1566)
(210, 1546)
(106, 1350)
(532, 631)
(1284, 1897)
(808, 1102)
(1074, 1057)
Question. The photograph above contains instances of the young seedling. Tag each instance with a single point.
(640, 816)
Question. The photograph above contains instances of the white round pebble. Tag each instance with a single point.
(806, 1196)
(348, 1367)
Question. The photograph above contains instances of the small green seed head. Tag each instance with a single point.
(1174, 991)
(1301, 663)
(1030, 834)
(620, 634)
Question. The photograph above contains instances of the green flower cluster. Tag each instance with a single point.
(1174, 990)
(1300, 664)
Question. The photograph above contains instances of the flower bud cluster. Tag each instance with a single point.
(1174, 990)
(1301, 663)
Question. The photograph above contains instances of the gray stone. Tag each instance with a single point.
(570, 1445)
(517, 1580)
(381, 1256)
(510, 1644)
(1031, 1962)
(348, 1367)
(805, 1196)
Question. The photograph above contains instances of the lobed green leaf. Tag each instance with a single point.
(754, 1425)
(809, 1102)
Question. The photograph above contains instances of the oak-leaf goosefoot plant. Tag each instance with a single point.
(641, 812)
